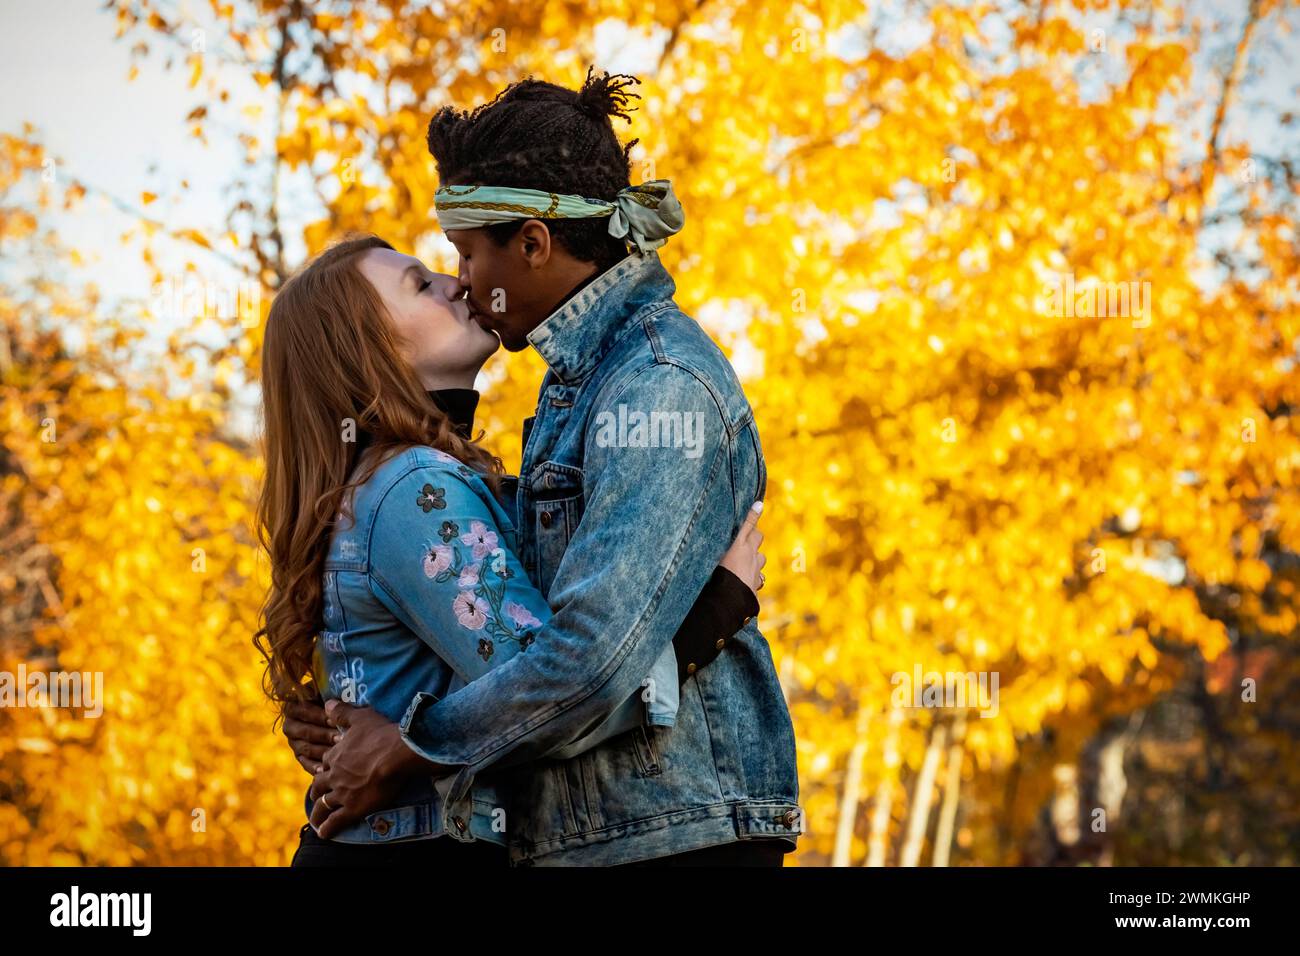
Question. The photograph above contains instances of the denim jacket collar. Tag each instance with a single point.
(574, 338)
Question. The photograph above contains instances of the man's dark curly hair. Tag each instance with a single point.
(537, 135)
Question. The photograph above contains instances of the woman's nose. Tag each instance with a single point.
(451, 287)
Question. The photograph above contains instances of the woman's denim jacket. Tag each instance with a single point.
(423, 593)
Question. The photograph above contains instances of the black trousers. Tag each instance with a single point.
(742, 853)
(444, 851)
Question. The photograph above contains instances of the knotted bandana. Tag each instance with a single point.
(644, 216)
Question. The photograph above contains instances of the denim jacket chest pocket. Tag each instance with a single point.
(557, 498)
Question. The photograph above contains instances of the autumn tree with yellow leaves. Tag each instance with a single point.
(1012, 292)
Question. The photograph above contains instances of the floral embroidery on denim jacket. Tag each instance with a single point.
(481, 571)
(431, 497)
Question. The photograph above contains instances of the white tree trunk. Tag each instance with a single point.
(878, 839)
(852, 789)
(1065, 804)
(919, 820)
(951, 794)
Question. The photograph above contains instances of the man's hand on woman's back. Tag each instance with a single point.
(364, 771)
(309, 733)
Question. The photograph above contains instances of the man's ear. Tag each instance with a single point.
(535, 243)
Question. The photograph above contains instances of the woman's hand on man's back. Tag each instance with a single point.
(743, 558)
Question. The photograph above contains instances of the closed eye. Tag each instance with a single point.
(424, 285)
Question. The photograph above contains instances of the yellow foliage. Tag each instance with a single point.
(962, 478)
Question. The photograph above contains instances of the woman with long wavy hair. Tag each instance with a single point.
(393, 570)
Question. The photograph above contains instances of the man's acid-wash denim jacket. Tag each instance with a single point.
(638, 469)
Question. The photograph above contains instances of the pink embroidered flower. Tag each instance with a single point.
(480, 539)
(469, 575)
(521, 615)
(471, 611)
(436, 560)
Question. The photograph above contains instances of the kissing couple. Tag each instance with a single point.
(559, 668)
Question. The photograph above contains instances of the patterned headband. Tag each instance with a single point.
(644, 216)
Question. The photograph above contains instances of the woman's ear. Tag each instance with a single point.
(535, 243)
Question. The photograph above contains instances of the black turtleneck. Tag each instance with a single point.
(458, 404)
(724, 606)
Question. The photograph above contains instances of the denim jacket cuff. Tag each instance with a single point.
(454, 793)
(409, 727)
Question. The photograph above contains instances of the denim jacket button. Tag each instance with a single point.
(690, 668)
(721, 641)
(746, 621)
(381, 826)
(460, 824)
(788, 819)
(546, 519)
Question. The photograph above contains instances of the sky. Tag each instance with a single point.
(64, 73)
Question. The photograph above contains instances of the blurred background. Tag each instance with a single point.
(1012, 288)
